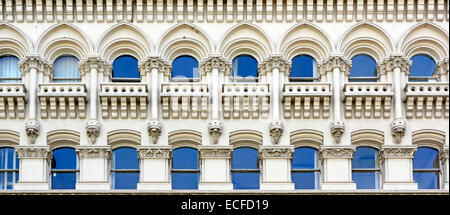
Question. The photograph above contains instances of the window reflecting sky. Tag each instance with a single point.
(363, 66)
(303, 66)
(66, 67)
(9, 68)
(185, 67)
(126, 67)
(245, 158)
(245, 66)
(64, 158)
(422, 65)
(185, 158)
(304, 158)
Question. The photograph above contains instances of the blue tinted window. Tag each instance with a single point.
(65, 69)
(9, 168)
(305, 173)
(364, 68)
(422, 66)
(365, 167)
(125, 67)
(9, 69)
(304, 158)
(185, 172)
(426, 168)
(303, 66)
(185, 67)
(245, 172)
(245, 66)
(64, 168)
(125, 168)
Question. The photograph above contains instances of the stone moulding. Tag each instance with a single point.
(282, 152)
(151, 152)
(93, 152)
(62, 100)
(398, 152)
(215, 62)
(12, 101)
(333, 152)
(33, 152)
(217, 152)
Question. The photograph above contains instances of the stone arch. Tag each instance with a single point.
(14, 42)
(429, 138)
(124, 39)
(63, 138)
(123, 138)
(366, 38)
(61, 39)
(185, 38)
(245, 38)
(246, 138)
(367, 137)
(305, 38)
(9, 138)
(185, 138)
(306, 138)
(425, 38)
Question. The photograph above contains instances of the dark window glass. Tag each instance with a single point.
(64, 168)
(305, 172)
(185, 68)
(245, 67)
(125, 68)
(365, 168)
(422, 68)
(65, 69)
(304, 68)
(125, 168)
(364, 69)
(9, 69)
(9, 168)
(185, 171)
(426, 168)
(244, 168)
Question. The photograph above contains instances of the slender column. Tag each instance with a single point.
(336, 94)
(155, 94)
(93, 94)
(215, 93)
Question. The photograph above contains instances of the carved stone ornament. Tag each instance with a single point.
(92, 130)
(215, 62)
(392, 62)
(34, 62)
(274, 62)
(398, 152)
(337, 152)
(157, 63)
(442, 68)
(87, 64)
(398, 128)
(216, 152)
(32, 129)
(215, 128)
(94, 152)
(276, 131)
(33, 152)
(154, 128)
(337, 129)
(155, 152)
(443, 154)
(276, 152)
(329, 64)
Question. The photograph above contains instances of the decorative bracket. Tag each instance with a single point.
(337, 129)
(93, 130)
(32, 129)
(398, 128)
(215, 128)
(154, 129)
(276, 130)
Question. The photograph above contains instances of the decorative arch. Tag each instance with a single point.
(14, 42)
(185, 39)
(366, 38)
(306, 138)
(63, 39)
(425, 38)
(246, 38)
(246, 138)
(185, 138)
(305, 38)
(429, 137)
(124, 137)
(9, 138)
(124, 39)
(63, 138)
(368, 137)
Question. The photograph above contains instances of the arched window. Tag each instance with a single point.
(245, 68)
(65, 69)
(9, 168)
(422, 68)
(364, 69)
(185, 171)
(366, 168)
(304, 69)
(9, 69)
(426, 168)
(64, 168)
(244, 168)
(185, 68)
(125, 168)
(305, 168)
(125, 69)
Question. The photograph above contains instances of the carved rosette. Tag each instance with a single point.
(157, 63)
(33, 152)
(276, 152)
(154, 128)
(397, 152)
(215, 62)
(336, 152)
(93, 130)
(276, 131)
(32, 129)
(274, 62)
(87, 64)
(215, 152)
(34, 62)
(215, 128)
(390, 63)
(334, 62)
(443, 154)
(337, 129)
(398, 128)
(94, 152)
(154, 153)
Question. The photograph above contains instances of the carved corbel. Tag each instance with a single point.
(32, 128)
(398, 128)
(337, 129)
(276, 131)
(93, 130)
(154, 128)
(215, 128)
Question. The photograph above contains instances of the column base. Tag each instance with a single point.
(154, 186)
(93, 186)
(215, 186)
(400, 186)
(338, 186)
(277, 186)
(32, 186)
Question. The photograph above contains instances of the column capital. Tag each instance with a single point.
(276, 152)
(443, 154)
(398, 152)
(154, 152)
(215, 152)
(442, 68)
(394, 61)
(274, 62)
(155, 63)
(332, 62)
(215, 62)
(34, 61)
(33, 152)
(93, 151)
(89, 63)
(338, 152)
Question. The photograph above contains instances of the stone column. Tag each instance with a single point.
(34, 169)
(276, 167)
(337, 167)
(445, 166)
(442, 68)
(154, 167)
(94, 165)
(215, 164)
(397, 167)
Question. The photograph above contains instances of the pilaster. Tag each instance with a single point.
(337, 167)
(34, 167)
(94, 164)
(397, 167)
(215, 164)
(276, 167)
(154, 164)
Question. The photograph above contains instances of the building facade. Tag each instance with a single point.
(219, 96)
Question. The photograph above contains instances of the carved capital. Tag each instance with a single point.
(390, 152)
(93, 152)
(442, 68)
(93, 130)
(398, 128)
(215, 128)
(337, 152)
(337, 129)
(32, 129)
(154, 128)
(272, 63)
(215, 152)
(33, 152)
(155, 63)
(276, 152)
(215, 62)
(389, 64)
(89, 63)
(276, 131)
(34, 62)
(443, 154)
(334, 62)
(151, 152)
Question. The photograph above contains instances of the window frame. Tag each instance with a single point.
(370, 170)
(18, 79)
(76, 171)
(432, 170)
(122, 79)
(74, 80)
(362, 79)
(425, 79)
(113, 170)
(15, 170)
(317, 169)
(188, 171)
(258, 170)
